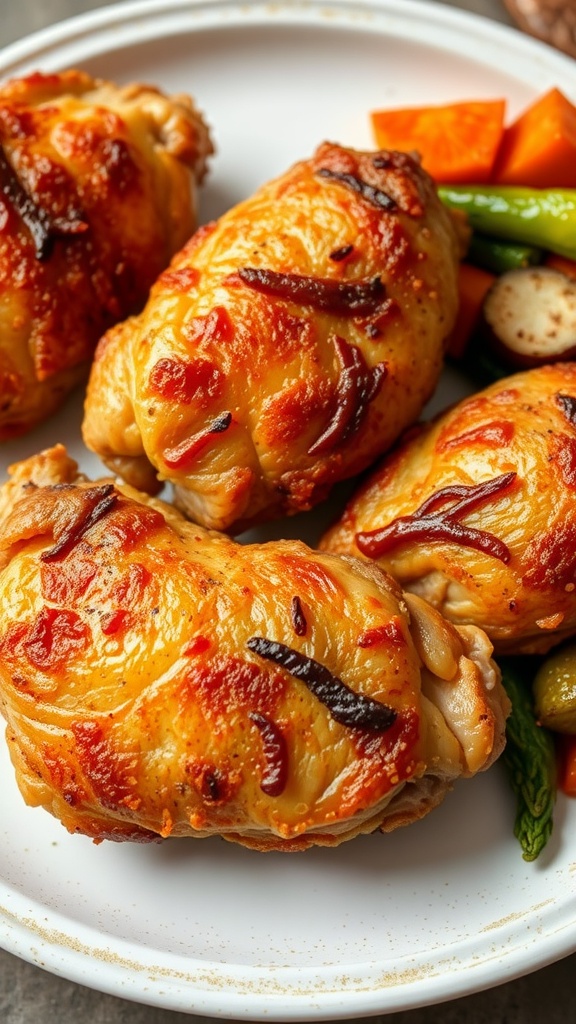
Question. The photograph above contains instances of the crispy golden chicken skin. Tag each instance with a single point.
(476, 512)
(288, 344)
(161, 680)
(97, 192)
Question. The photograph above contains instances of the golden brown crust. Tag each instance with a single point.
(160, 680)
(507, 561)
(98, 192)
(288, 344)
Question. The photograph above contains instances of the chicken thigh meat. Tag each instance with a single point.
(288, 344)
(97, 192)
(160, 680)
(476, 511)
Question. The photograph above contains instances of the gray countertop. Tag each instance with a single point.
(28, 994)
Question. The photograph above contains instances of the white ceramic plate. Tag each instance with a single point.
(383, 923)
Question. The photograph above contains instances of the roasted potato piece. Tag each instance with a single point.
(529, 317)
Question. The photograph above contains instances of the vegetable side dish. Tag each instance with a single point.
(516, 185)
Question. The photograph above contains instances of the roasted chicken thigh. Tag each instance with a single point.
(476, 512)
(287, 345)
(161, 680)
(97, 192)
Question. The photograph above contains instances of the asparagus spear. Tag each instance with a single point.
(499, 256)
(530, 760)
(542, 217)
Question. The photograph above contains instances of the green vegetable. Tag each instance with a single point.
(530, 760)
(555, 690)
(542, 217)
(498, 256)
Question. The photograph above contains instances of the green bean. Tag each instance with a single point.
(498, 256)
(542, 217)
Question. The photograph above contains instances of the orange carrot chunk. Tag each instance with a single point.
(473, 285)
(539, 148)
(457, 142)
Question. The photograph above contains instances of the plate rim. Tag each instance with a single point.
(70, 958)
(438, 15)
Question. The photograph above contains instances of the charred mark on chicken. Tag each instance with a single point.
(184, 453)
(43, 228)
(211, 788)
(357, 385)
(433, 521)
(375, 196)
(337, 255)
(567, 405)
(97, 503)
(297, 616)
(339, 298)
(274, 779)
(355, 710)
